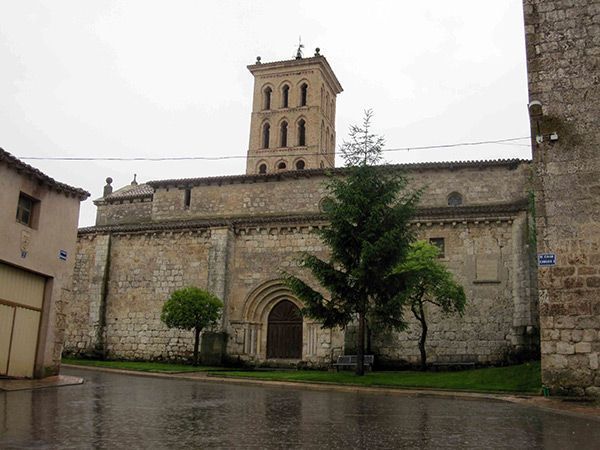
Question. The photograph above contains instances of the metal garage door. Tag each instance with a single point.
(21, 298)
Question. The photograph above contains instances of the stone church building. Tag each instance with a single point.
(233, 235)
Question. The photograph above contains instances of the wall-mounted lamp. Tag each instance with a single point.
(535, 112)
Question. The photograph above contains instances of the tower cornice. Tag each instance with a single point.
(260, 68)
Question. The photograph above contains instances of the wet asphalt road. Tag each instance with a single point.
(119, 411)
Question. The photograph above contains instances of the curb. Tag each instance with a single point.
(555, 405)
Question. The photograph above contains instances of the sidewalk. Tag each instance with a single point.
(48, 382)
(554, 404)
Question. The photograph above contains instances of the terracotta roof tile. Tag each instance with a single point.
(23, 168)
(231, 179)
(129, 192)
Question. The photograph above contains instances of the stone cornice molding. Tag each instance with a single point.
(295, 223)
(258, 69)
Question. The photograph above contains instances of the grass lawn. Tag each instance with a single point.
(523, 378)
(139, 366)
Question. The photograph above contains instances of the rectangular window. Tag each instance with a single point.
(26, 210)
(439, 243)
(187, 199)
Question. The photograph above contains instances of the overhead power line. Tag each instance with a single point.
(506, 141)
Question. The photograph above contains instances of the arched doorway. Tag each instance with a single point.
(284, 332)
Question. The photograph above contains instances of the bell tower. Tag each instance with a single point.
(293, 115)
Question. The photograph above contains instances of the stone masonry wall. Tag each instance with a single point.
(478, 185)
(122, 278)
(127, 211)
(143, 270)
(261, 254)
(498, 320)
(563, 59)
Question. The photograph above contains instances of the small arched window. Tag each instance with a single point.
(301, 133)
(455, 199)
(262, 168)
(266, 135)
(283, 132)
(281, 166)
(285, 96)
(267, 98)
(332, 146)
(303, 94)
(300, 165)
(327, 105)
(322, 165)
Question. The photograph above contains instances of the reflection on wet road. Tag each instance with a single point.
(120, 411)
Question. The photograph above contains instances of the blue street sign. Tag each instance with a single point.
(62, 254)
(546, 259)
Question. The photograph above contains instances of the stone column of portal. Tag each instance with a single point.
(219, 256)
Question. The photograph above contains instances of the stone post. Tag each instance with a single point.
(220, 254)
(98, 293)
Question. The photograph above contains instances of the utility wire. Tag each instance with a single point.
(217, 158)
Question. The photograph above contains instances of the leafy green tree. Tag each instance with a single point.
(368, 211)
(428, 281)
(192, 308)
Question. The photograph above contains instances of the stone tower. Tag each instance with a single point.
(293, 115)
(563, 61)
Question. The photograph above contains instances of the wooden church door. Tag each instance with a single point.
(284, 332)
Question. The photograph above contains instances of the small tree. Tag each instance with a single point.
(368, 236)
(192, 308)
(428, 281)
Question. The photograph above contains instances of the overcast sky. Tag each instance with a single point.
(168, 78)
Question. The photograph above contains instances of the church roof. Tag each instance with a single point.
(31, 172)
(294, 174)
(128, 192)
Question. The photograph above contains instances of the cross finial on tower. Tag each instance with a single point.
(300, 47)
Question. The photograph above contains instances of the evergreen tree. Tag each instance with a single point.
(368, 210)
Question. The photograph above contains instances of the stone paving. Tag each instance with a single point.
(124, 411)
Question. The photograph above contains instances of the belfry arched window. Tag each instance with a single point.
(285, 96)
(300, 165)
(267, 92)
(281, 166)
(262, 168)
(266, 131)
(303, 94)
(301, 133)
(455, 199)
(283, 132)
